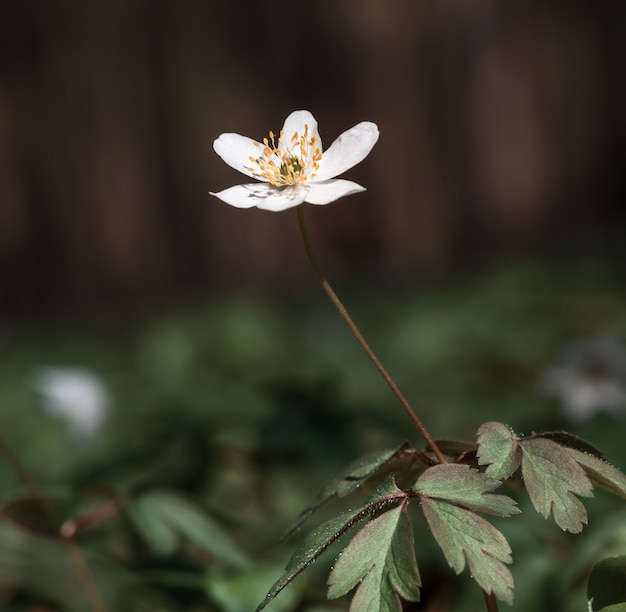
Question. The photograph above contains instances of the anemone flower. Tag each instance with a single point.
(75, 395)
(292, 166)
(590, 378)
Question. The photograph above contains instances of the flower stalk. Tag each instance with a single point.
(361, 340)
(291, 168)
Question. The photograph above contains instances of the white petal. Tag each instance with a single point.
(236, 151)
(348, 150)
(243, 196)
(282, 199)
(296, 122)
(262, 196)
(329, 191)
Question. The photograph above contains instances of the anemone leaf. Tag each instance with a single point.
(498, 450)
(466, 537)
(607, 584)
(601, 473)
(381, 558)
(466, 487)
(553, 480)
(329, 532)
(350, 479)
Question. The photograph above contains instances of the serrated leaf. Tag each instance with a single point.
(164, 518)
(350, 479)
(329, 532)
(564, 438)
(607, 583)
(498, 450)
(601, 473)
(466, 537)
(464, 486)
(382, 558)
(553, 479)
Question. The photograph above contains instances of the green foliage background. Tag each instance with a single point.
(234, 416)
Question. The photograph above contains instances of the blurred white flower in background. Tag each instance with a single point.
(75, 395)
(590, 378)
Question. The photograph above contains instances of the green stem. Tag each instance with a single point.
(361, 340)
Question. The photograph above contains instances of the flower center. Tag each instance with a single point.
(292, 163)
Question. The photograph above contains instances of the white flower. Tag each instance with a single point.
(590, 378)
(292, 165)
(75, 395)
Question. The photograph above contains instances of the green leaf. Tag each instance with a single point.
(329, 532)
(564, 438)
(607, 583)
(619, 607)
(448, 493)
(164, 518)
(553, 479)
(498, 449)
(466, 487)
(382, 558)
(350, 479)
(465, 536)
(240, 592)
(601, 473)
(159, 535)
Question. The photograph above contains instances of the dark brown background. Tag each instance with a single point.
(502, 133)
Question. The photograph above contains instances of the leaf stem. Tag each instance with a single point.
(361, 340)
(490, 602)
(83, 571)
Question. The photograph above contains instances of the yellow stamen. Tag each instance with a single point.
(283, 165)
